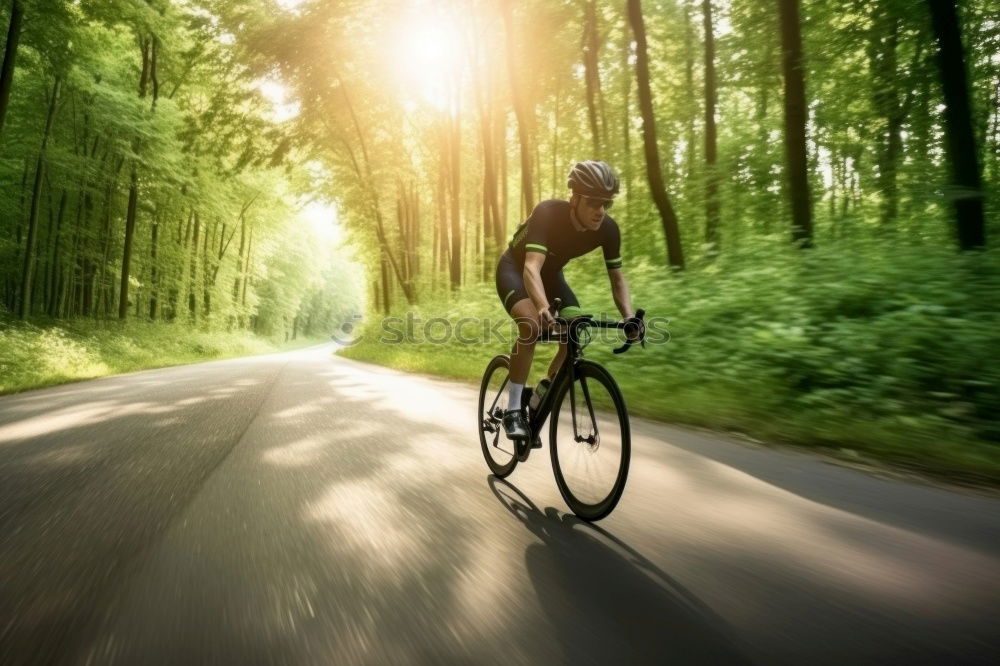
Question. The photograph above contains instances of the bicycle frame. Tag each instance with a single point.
(570, 334)
(566, 373)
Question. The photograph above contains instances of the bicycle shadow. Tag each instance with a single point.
(606, 602)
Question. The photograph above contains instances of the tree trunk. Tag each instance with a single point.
(627, 133)
(441, 228)
(689, 87)
(386, 304)
(455, 264)
(415, 234)
(43, 296)
(501, 141)
(247, 268)
(796, 157)
(492, 232)
(9, 57)
(147, 45)
(154, 278)
(520, 109)
(675, 254)
(206, 283)
(193, 275)
(967, 192)
(592, 77)
(55, 264)
(239, 262)
(403, 222)
(893, 96)
(24, 306)
(133, 196)
(711, 168)
(556, 189)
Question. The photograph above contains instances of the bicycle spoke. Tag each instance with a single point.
(499, 393)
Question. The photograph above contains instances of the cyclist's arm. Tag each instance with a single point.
(620, 292)
(533, 280)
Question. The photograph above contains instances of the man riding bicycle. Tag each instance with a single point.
(529, 273)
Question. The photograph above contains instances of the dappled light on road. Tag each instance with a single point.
(304, 508)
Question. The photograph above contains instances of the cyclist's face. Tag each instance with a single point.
(591, 210)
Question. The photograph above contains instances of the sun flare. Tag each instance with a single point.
(429, 59)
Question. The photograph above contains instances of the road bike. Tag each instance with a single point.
(589, 437)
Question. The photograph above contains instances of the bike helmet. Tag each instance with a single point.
(593, 179)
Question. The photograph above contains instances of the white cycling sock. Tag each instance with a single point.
(514, 396)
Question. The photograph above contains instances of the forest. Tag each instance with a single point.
(809, 189)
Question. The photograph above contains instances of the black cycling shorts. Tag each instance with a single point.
(510, 285)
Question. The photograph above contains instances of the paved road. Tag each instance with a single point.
(303, 509)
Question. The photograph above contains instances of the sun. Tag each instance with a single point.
(428, 58)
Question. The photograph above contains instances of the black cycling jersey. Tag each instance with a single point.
(550, 231)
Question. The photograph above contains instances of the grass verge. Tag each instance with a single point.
(33, 356)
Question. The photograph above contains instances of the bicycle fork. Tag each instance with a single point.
(594, 437)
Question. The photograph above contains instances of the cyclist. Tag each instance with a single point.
(529, 273)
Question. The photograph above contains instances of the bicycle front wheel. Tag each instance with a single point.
(590, 442)
(497, 449)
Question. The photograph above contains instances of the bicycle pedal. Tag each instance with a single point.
(521, 449)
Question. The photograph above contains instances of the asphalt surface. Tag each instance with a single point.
(299, 508)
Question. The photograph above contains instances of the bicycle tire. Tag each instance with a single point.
(490, 442)
(587, 510)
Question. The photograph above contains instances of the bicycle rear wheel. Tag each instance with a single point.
(497, 449)
(590, 442)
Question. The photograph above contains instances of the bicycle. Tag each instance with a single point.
(590, 469)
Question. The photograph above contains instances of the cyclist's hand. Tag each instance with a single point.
(635, 329)
(546, 319)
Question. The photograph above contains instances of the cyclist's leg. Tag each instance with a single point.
(528, 327)
(570, 307)
(514, 296)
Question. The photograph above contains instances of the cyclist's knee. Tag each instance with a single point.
(528, 328)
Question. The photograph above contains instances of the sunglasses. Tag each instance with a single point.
(596, 202)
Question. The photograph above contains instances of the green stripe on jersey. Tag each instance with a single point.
(534, 247)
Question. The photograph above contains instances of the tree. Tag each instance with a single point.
(712, 176)
(796, 159)
(967, 192)
(595, 97)
(27, 275)
(675, 255)
(524, 126)
(10, 56)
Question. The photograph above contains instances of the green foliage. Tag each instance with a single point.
(155, 107)
(32, 356)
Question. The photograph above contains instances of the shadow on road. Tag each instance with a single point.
(605, 601)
